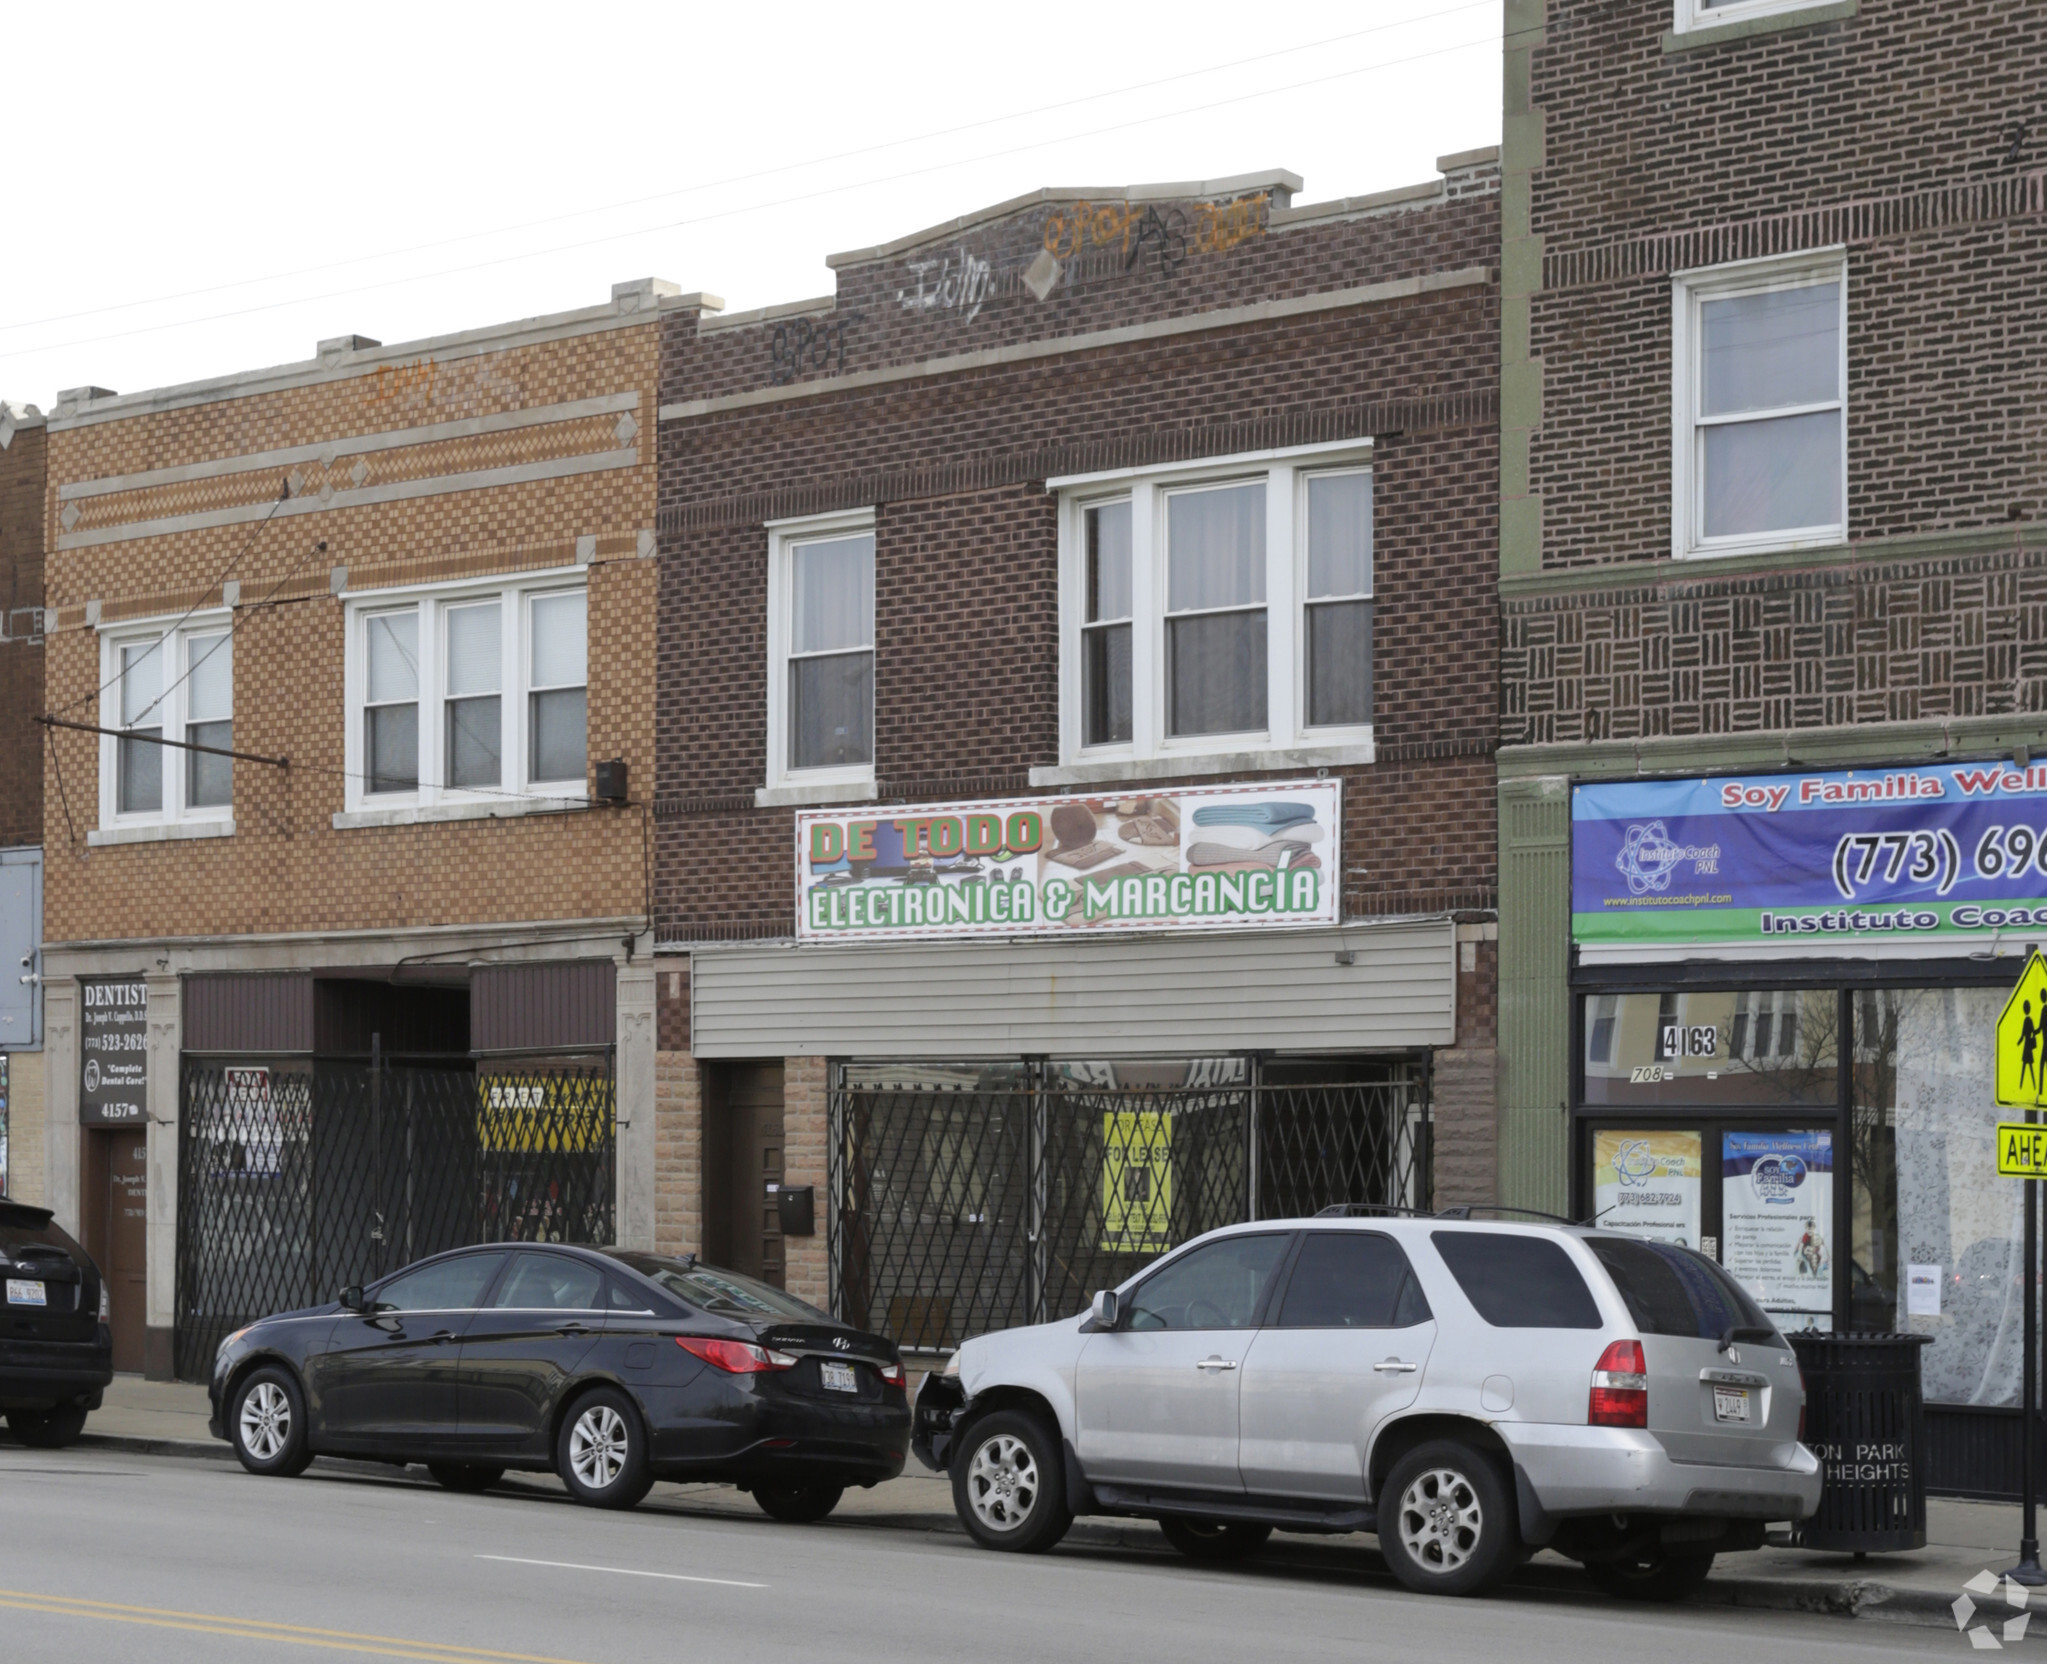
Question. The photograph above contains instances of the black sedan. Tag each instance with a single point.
(56, 1352)
(613, 1369)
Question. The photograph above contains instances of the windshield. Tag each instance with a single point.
(727, 1293)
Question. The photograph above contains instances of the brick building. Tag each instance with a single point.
(23, 451)
(1073, 818)
(1773, 579)
(346, 930)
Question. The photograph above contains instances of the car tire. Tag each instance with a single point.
(1009, 1483)
(1447, 1524)
(1214, 1540)
(601, 1451)
(1653, 1576)
(266, 1423)
(464, 1476)
(47, 1429)
(798, 1504)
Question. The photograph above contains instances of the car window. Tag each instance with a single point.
(1347, 1280)
(623, 1298)
(1518, 1282)
(443, 1286)
(1213, 1287)
(1674, 1291)
(550, 1282)
(711, 1289)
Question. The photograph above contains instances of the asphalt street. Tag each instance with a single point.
(116, 1557)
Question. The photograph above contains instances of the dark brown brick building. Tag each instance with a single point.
(1773, 485)
(1129, 552)
(23, 470)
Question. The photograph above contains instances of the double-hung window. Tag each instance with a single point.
(821, 658)
(167, 691)
(1711, 14)
(1215, 611)
(1759, 451)
(472, 695)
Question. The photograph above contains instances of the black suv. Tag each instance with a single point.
(56, 1352)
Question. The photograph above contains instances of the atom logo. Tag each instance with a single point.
(1634, 1163)
(2013, 1630)
(1648, 858)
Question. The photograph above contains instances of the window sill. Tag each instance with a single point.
(821, 791)
(163, 833)
(1830, 537)
(1214, 762)
(425, 814)
(1800, 17)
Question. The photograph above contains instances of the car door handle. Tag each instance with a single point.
(572, 1329)
(1213, 1363)
(443, 1335)
(1395, 1366)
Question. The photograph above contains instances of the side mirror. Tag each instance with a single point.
(351, 1299)
(1104, 1309)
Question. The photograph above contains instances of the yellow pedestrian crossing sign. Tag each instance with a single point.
(2022, 1040)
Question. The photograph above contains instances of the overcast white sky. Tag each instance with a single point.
(197, 189)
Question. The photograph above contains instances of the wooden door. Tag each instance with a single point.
(753, 1106)
(126, 1262)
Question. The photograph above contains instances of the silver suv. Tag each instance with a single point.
(1471, 1391)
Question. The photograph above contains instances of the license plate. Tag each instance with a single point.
(21, 1292)
(1730, 1404)
(838, 1377)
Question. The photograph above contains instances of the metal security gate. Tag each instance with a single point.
(300, 1178)
(967, 1199)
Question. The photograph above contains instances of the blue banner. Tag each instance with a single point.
(1951, 850)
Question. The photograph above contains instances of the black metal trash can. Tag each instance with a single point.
(1865, 1419)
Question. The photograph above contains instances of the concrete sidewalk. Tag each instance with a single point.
(1965, 1539)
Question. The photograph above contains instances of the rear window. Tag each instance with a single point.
(26, 1227)
(1675, 1291)
(1518, 1282)
(728, 1293)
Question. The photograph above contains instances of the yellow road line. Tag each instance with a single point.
(262, 1629)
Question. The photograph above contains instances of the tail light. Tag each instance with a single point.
(106, 1308)
(1620, 1387)
(1801, 1406)
(735, 1357)
(892, 1374)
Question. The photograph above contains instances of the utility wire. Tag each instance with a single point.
(754, 207)
(756, 174)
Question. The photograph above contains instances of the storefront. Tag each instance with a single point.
(1785, 992)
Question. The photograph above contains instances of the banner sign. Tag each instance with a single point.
(1776, 1208)
(1649, 1183)
(1950, 851)
(1251, 857)
(113, 1070)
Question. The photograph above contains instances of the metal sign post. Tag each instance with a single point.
(2022, 1154)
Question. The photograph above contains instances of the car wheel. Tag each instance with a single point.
(1653, 1576)
(601, 1453)
(1214, 1539)
(1446, 1520)
(47, 1429)
(464, 1476)
(1009, 1483)
(268, 1424)
(798, 1504)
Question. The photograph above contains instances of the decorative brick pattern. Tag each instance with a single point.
(678, 1153)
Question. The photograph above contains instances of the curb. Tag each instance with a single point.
(1852, 1598)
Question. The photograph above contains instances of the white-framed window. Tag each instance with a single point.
(1217, 609)
(468, 694)
(821, 654)
(1759, 387)
(174, 684)
(1709, 14)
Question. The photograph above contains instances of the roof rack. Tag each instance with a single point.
(1366, 1210)
(1470, 1211)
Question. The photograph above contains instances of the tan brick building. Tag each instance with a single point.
(337, 649)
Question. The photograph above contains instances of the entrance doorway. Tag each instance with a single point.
(117, 1234)
(743, 1151)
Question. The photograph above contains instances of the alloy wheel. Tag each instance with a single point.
(1440, 1520)
(1002, 1482)
(597, 1446)
(265, 1420)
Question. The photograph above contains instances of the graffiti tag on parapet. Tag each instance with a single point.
(805, 347)
(394, 381)
(961, 285)
(1208, 228)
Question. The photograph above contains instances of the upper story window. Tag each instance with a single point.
(1215, 610)
(174, 686)
(1709, 14)
(1760, 406)
(467, 694)
(821, 654)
